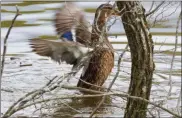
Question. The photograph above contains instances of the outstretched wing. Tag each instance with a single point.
(59, 51)
(71, 16)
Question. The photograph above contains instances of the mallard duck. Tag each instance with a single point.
(92, 49)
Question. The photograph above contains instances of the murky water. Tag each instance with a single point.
(36, 21)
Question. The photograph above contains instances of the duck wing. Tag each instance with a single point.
(70, 52)
(71, 16)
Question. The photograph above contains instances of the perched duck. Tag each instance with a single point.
(92, 49)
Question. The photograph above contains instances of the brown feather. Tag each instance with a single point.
(70, 16)
(59, 51)
(102, 59)
(99, 68)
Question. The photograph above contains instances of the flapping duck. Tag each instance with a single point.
(92, 50)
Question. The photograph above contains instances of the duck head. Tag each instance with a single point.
(102, 14)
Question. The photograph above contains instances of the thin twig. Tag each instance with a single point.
(153, 11)
(5, 40)
(164, 9)
(150, 112)
(110, 86)
(178, 103)
(174, 53)
(151, 7)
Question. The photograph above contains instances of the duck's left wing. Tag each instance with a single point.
(59, 51)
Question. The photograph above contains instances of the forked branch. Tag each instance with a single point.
(154, 10)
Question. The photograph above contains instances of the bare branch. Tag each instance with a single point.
(178, 103)
(5, 40)
(174, 53)
(151, 6)
(161, 15)
(153, 11)
(119, 94)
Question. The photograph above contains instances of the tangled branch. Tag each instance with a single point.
(154, 10)
(99, 94)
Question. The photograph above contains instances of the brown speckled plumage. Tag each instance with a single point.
(102, 59)
(99, 68)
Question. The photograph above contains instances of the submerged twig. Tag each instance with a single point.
(22, 65)
(5, 40)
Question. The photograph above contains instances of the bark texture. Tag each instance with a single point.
(141, 46)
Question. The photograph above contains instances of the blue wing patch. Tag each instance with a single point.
(68, 35)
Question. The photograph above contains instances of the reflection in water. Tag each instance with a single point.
(79, 107)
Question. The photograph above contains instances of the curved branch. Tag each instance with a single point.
(173, 57)
(153, 11)
(151, 7)
(6, 38)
